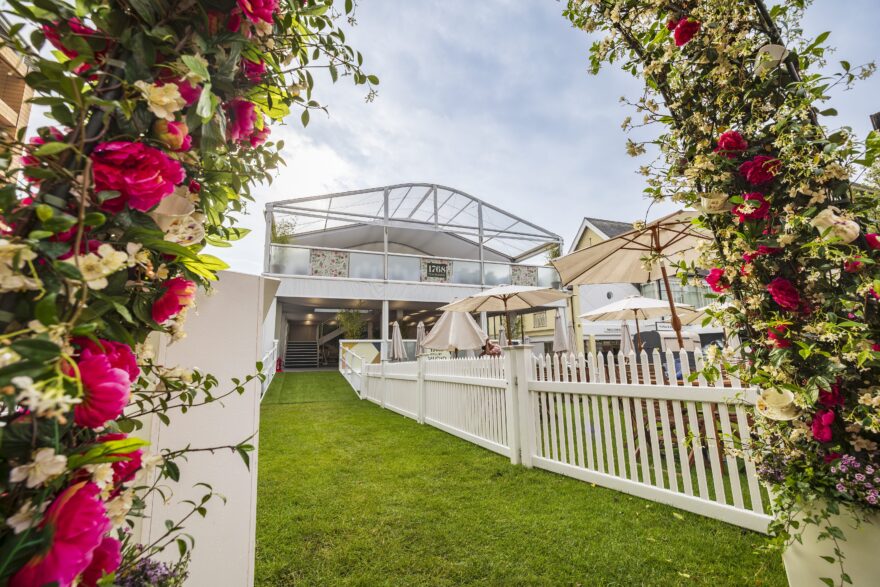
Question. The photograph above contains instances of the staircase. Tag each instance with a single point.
(301, 354)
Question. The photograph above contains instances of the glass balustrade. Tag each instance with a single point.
(466, 272)
(404, 268)
(366, 265)
(496, 274)
(292, 260)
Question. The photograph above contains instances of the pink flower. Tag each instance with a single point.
(105, 560)
(260, 135)
(118, 353)
(785, 294)
(79, 29)
(257, 10)
(829, 398)
(685, 30)
(125, 469)
(875, 346)
(30, 160)
(233, 25)
(822, 422)
(777, 334)
(717, 281)
(179, 294)
(253, 70)
(106, 392)
(142, 175)
(671, 24)
(188, 91)
(754, 207)
(175, 135)
(77, 520)
(760, 169)
(731, 144)
(241, 118)
(873, 240)
(194, 186)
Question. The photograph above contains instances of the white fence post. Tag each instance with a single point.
(517, 401)
(384, 382)
(420, 388)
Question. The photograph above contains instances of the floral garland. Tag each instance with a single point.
(794, 258)
(163, 111)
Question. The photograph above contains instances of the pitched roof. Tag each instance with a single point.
(610, 228)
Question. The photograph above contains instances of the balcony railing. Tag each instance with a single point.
(324, 262)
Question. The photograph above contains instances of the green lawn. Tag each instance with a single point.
(350, 494)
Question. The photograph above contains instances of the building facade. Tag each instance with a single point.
(394, 253)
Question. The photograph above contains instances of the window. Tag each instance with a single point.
(539, 320)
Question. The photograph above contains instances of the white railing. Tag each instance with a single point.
(625, 422)
(269, 361)
(351, 365)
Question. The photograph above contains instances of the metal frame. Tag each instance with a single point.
(475, 233)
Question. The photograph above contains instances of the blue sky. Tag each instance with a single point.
(493, 98)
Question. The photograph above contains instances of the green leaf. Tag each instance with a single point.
(37, 349)
(197, 66)
(46, 310)
(205, 105)
(304, 117)
(52, 148)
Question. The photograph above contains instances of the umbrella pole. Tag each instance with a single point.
(638, 333)
(676, 323)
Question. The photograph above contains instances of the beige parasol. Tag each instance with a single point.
(622, 259)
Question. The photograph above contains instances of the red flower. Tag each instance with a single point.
(875, 346)
(853, 266)
(260, 136)
(106, 371)
(123, 470)
(253, 70)
(142, 175)
(822, 422)
(194, 186)
(671, 24)
(785, 294)
(873, 240)
(684, 31)
(731, 144)
(760, 169)
(241, 118)
(831, 457)
(257, 10)
(829, 398)
(30, 160)
(754, 207)
(105, 560)
(777, 334)
(233, 25)
(179, 295)
(716, 280)
(78, 522)
(759, 252)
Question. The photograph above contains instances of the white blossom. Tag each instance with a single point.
(45, 467)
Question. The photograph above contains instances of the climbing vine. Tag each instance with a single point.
(736, 89)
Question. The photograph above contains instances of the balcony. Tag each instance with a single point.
(294, 260)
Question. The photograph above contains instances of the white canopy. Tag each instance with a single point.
(455, 331)
(507, 298)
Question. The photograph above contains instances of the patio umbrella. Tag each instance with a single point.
(396, 352)
(455, 331)
(420, 338)
(507, 298)
(621, 259)
(636, 308)
(561, 343)
(502, 338)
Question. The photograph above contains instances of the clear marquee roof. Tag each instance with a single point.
(427, 207)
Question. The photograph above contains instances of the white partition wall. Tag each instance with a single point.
(227, 334)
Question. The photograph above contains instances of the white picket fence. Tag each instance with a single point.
(623, 422)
